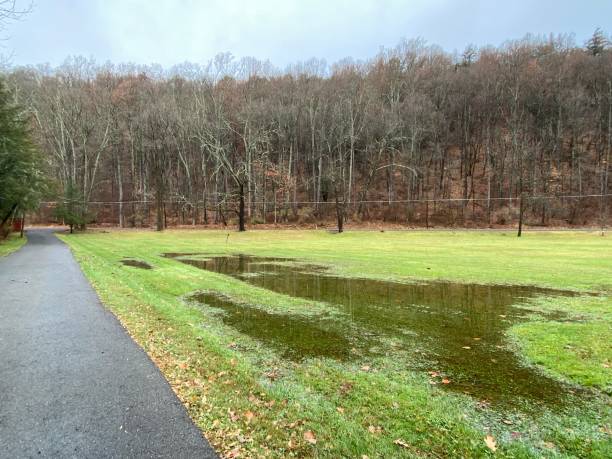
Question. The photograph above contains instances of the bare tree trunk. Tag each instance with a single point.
(241, 226)
(159, 201)
(521, 212)
(339, 210)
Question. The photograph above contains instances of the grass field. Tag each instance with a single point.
(250, 400)
(12, 243)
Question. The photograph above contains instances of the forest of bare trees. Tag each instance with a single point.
(413, 136)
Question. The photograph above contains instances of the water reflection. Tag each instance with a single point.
(455, 329)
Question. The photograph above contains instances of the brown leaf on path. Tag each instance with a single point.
(491, 443)
(310, 437)
(402, 443)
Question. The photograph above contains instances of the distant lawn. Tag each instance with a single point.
(12, 243)
(247, 399)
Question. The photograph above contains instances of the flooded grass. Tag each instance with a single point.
(451, 329)
(295, 337)
(136, 263)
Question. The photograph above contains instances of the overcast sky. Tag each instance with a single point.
(173, 31)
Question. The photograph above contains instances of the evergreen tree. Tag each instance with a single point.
(598, 43)
(21, 177)
(72, 209)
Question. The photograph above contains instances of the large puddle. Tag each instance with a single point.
(454, 331)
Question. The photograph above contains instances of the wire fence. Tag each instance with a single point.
(566, 210)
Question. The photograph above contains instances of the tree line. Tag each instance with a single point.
(407, 130)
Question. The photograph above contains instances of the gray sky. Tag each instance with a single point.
(173, 31)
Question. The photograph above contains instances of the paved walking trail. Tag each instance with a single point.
(72, 382)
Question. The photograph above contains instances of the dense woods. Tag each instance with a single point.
(415, 136)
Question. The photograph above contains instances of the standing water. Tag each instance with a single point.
(448, 328)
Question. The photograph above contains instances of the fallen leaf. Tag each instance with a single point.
(467, 347)
(507, 422)
(339, 409)
(233, 453)
(446, 381)
(476, 339)
(433, 374)
(346, 387)
(491, 443)
(365, 368)
(310, 437)
(233, 416)
(374, 429)
(402, 443)
(249, 415)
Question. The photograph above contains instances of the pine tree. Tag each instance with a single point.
(21, 177)
(598, 43)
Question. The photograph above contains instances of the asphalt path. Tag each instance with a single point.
(72, 382)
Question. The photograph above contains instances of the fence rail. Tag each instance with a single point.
(563, 210)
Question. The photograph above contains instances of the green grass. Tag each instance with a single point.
(245, 398)
(578, 349)
(10, 244)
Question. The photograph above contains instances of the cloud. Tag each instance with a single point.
(174, 31)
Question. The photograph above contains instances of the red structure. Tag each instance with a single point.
(17, 224)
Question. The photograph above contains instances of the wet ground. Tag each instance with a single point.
(453, 331)
(136, 263)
